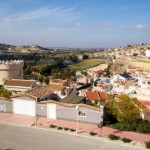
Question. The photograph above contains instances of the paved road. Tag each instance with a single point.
(25, 138)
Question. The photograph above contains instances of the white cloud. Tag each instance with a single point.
(52, 12)
(123, 26)
(140, 26)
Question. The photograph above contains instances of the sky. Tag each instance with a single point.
(75, 23)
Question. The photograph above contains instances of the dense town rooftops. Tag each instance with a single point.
(126, 83)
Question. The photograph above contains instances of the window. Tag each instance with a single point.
(82, 114)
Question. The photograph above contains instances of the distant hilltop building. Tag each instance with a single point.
(12, 69)
(148, 53)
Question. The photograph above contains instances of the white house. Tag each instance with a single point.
(25, 103)
(18, 85)
(144, 83)
(117, 77)
(148, 53)
(123, 87)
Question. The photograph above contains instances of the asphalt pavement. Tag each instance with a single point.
(26, 138)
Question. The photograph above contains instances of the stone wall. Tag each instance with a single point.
(11, 70)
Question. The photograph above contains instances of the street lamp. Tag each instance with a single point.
(77, 108)
(100, 125)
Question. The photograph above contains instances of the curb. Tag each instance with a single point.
(100, 138)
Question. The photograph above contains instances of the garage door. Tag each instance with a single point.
(25, 107)
(51, 111)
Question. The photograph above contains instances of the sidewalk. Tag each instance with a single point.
(23, 120)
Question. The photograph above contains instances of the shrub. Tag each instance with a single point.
(125, 140)
(72, 130)
(52, 126)
(66, 128)
(113, 137)
(92, 133)
(147, 144)
(59, 128)
(143, 126)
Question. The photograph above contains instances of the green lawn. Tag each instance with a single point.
(85, 64)
(42, 62)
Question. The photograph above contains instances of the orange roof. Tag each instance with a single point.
(96, 95)
(103, 95)
(93, 95)
(145, 102)
(146, 109)
(145, 105)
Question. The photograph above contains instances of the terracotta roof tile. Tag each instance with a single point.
(58, 81)
(93, 95)
(56, 87)
(145, 102)
(40, 92)
(16, 82)
(146, 109)
(103, 95)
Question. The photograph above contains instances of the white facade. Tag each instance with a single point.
(24, 107)
(118, 89)
(117, 78)
(146, 116)
(144, 83)
(51, 111)
(148, 53)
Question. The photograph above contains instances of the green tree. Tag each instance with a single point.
(85, 57)
(46, 70)
(55, 73)
(125, 109)
(46, 80)
(95, 83)
(41, 79)
(28, 71)
(5, 93)
(135, 54)
(107, 71)
(84, 73)
(25, 65)
(74, 58)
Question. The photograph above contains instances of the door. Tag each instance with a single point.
(24, 107)
(51, 111)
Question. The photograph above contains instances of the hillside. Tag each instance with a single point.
(6, 46)
(30, 49)
(22, 49)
